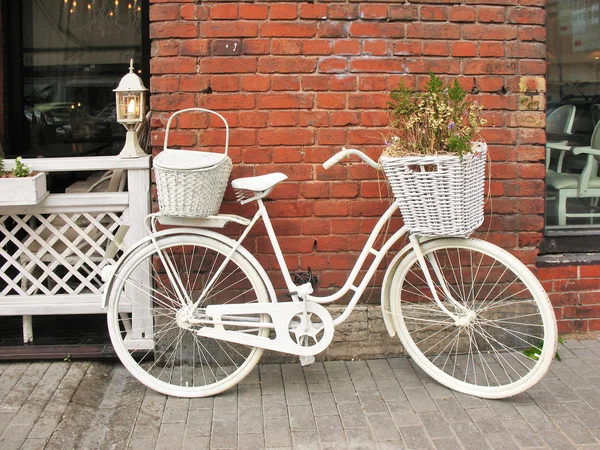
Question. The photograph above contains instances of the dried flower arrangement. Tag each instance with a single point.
(438, 121)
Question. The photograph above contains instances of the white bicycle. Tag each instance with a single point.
(470, 314)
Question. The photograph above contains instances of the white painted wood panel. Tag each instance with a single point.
(52, 253)
(139, 208)
(23, 191)
(87, 163)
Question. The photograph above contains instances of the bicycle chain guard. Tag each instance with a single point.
(284, 320)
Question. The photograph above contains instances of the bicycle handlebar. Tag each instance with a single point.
(347, 152)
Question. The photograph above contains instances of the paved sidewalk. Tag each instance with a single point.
(355, 404)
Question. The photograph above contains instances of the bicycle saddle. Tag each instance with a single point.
(260, 183)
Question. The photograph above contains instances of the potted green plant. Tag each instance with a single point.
(433, 159)
(21, 186)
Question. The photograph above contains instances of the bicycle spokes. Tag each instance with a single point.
(492, 348)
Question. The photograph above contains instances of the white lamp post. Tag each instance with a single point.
(131, 109)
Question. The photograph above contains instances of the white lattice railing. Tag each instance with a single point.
(52, 253)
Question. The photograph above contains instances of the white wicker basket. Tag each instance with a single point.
(439, 195)
(191, 183)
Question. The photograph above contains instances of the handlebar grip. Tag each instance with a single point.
(335, 159)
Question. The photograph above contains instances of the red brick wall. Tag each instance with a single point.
(313, 77)
(575, 294)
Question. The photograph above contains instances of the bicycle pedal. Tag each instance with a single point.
(307, 360)
(107, 272)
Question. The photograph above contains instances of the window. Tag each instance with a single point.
(573, 84)
(65, 58)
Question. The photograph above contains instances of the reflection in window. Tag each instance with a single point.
(573, 134)
(74, 53)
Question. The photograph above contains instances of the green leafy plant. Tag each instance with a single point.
(534, 352)
(439, 120)
(21, 170)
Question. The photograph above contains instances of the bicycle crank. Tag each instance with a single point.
(292, 335)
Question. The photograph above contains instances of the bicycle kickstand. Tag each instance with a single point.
(304, 291)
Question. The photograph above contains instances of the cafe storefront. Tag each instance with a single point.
(297, 81)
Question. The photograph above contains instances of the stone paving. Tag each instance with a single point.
(374, 404)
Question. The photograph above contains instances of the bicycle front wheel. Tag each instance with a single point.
(504, 336)
(150, 327)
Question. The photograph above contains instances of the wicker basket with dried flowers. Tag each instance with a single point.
(433, 162)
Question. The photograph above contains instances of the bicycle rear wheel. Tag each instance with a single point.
(174, 360)
(505, 338)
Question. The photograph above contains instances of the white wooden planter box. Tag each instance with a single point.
(23, 191)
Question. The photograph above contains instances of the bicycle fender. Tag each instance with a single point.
(200, 232)
(385, 293)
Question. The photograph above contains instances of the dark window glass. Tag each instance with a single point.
(573, 118)
(66, 58)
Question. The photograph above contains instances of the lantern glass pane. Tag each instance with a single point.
(129, 109)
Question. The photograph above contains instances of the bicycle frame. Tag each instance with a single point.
(263, 214)
(367, 249)
(349, 285)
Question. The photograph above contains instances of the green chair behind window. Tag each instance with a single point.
(584, 185)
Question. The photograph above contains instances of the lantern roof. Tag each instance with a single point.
(131, 82)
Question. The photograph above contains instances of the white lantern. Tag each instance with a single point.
(131, 109)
